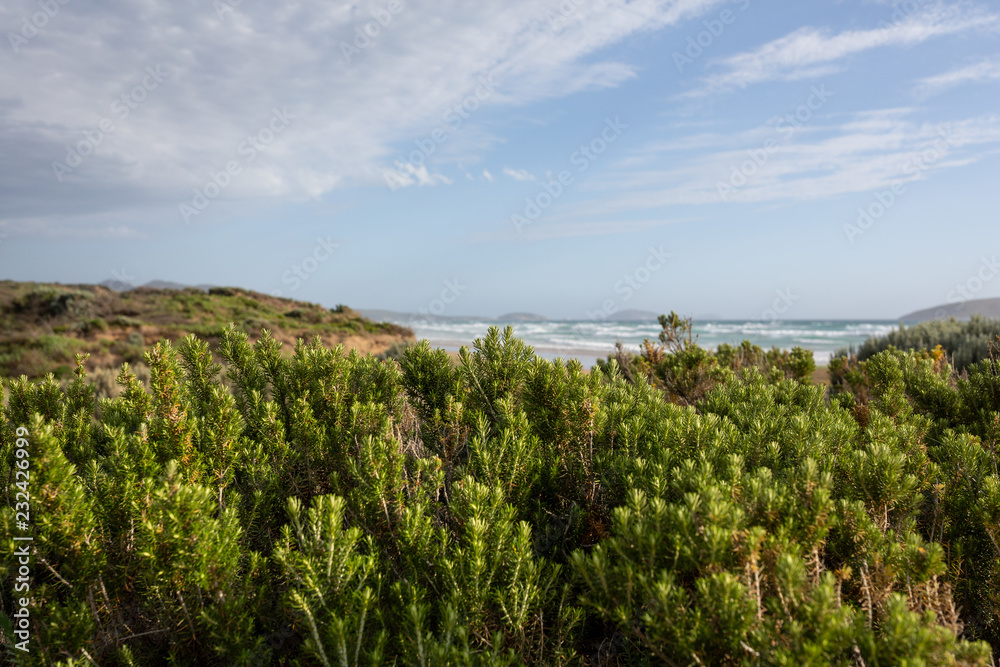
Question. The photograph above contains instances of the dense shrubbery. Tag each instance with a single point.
(686, 371)
(332, 509)
(966, 342)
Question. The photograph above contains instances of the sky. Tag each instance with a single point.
(720, 158)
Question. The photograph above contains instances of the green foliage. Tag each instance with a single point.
(687, 372)
(496, 371)
(51, 301)
(678, 507)
(964, 341)
(332, 587)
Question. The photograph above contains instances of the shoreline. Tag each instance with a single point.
(589, 341)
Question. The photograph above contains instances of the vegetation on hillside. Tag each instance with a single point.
(43, 326)
(327, 508)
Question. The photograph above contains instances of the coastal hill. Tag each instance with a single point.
(43, 325)
(986, 307)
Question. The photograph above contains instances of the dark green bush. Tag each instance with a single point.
(53, 302)
(327, 508)
(964, 341)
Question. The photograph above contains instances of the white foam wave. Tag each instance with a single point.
(589, 340)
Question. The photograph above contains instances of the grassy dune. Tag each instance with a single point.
(43, 325)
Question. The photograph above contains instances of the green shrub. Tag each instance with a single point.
(396, 350)
(125, 322)
(686, 371)
(965, 342)
(55, 302)
(680, 507)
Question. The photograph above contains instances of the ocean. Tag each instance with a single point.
(590, 340)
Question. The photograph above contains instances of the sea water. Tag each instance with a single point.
(591, 340)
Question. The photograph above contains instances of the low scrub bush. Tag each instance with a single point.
(965, 342)
(679, 507)
(49, 302)
(686, 371)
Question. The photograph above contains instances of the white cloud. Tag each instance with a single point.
(810, 52)
(226, 75)
(488, 176)
(405, 175)
(518, 174)
(981, 72)
(870, 151)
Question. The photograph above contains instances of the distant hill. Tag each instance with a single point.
(962, 311)
(43, 325)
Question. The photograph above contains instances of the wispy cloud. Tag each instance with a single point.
(810, 52)
(357, 108)
(518, 174)
(981, 72)
(871, 150)
(406, 174)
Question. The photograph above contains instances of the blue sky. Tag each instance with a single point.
(718, 158)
